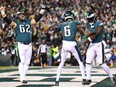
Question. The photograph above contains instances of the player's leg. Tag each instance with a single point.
(42, 60)
(78, 57)
(100, 59)
(89, 58)
(45, 60)
(27, 58)
(63, 59)
(108, 71)
(22, 56)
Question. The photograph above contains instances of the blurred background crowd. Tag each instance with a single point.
(46, 29)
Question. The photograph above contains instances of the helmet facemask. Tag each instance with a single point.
(91, 18)
(68, 16)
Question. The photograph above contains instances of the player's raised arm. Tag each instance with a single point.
(6, 19)
(40, 14)
(38, 17)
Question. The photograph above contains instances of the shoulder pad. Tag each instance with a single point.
(100, 23)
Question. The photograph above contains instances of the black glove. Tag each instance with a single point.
(46, 7)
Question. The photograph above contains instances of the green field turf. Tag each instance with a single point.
(50, 77)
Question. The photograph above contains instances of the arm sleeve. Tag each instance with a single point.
(38, 17)
(7, 20)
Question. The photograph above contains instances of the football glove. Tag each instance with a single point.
(43, 6)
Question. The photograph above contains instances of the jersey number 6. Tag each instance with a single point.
(67, 31)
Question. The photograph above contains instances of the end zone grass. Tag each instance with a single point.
(48, 74)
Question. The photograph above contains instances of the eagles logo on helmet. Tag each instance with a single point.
(91, 18)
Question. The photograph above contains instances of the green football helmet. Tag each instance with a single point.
(21, 16)
(91, 17)
(68, 15)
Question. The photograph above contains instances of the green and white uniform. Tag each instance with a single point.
(96, 47)
(23, 33)
(69, 30)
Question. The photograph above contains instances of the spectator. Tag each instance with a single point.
(104, 8)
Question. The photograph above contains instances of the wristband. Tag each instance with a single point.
(7, 20)
(89, 39)
(2, 12)
(42, 11)
(38, 17)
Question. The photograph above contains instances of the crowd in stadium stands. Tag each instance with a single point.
(46, 28)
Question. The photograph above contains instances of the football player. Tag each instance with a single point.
(23, 30)
(68, 29)
(96, 46)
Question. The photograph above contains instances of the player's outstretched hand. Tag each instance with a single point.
(46, 7)
(1, 8)
(43, 6)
